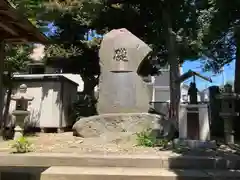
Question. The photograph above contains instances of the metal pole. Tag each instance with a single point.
(2, 57)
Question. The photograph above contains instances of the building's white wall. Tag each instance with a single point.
(76, 78)
(162, 94)
(161, 87)
(45, 107)
(50, 111)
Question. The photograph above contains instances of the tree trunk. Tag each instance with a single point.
(174, 68)
(7, 105)
(237, 63)
(2, 57)
(237, 79)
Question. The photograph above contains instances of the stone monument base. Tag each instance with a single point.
(194, 144)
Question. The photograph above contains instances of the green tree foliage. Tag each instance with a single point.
(175, 29)
(17, 57)
(147, 20)
(220, 40)
(172, 28)
(70, 49)
(223, 40)
(32, 10)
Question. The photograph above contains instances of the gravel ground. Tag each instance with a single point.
(109, 143)
(113, 143)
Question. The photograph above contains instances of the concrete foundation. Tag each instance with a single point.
(194, 144)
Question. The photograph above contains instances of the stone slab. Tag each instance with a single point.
(223, 175)
(195, 144)
(166, 160)
(105, 173)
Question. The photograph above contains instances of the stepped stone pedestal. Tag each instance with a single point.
(51, 166)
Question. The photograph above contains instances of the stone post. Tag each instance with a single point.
(2, 57)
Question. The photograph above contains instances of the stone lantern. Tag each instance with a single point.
(21, 113)
(227, 112)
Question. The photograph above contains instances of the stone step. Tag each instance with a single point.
(126, 173)
(137, 161)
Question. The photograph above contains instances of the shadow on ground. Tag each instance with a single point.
(222, 162)
(21, 173)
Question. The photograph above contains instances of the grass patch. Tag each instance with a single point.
(22, 145)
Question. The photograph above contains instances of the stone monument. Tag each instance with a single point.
(121, 89)
(21, 113)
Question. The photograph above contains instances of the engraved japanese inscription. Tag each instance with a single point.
(120, 54)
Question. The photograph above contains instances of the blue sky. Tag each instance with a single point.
(218, 79)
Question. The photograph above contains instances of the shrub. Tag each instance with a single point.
(22, 145)
(146, 138)
(85, 106)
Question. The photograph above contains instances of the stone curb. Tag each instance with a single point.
(138, 161)
(108, 173)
